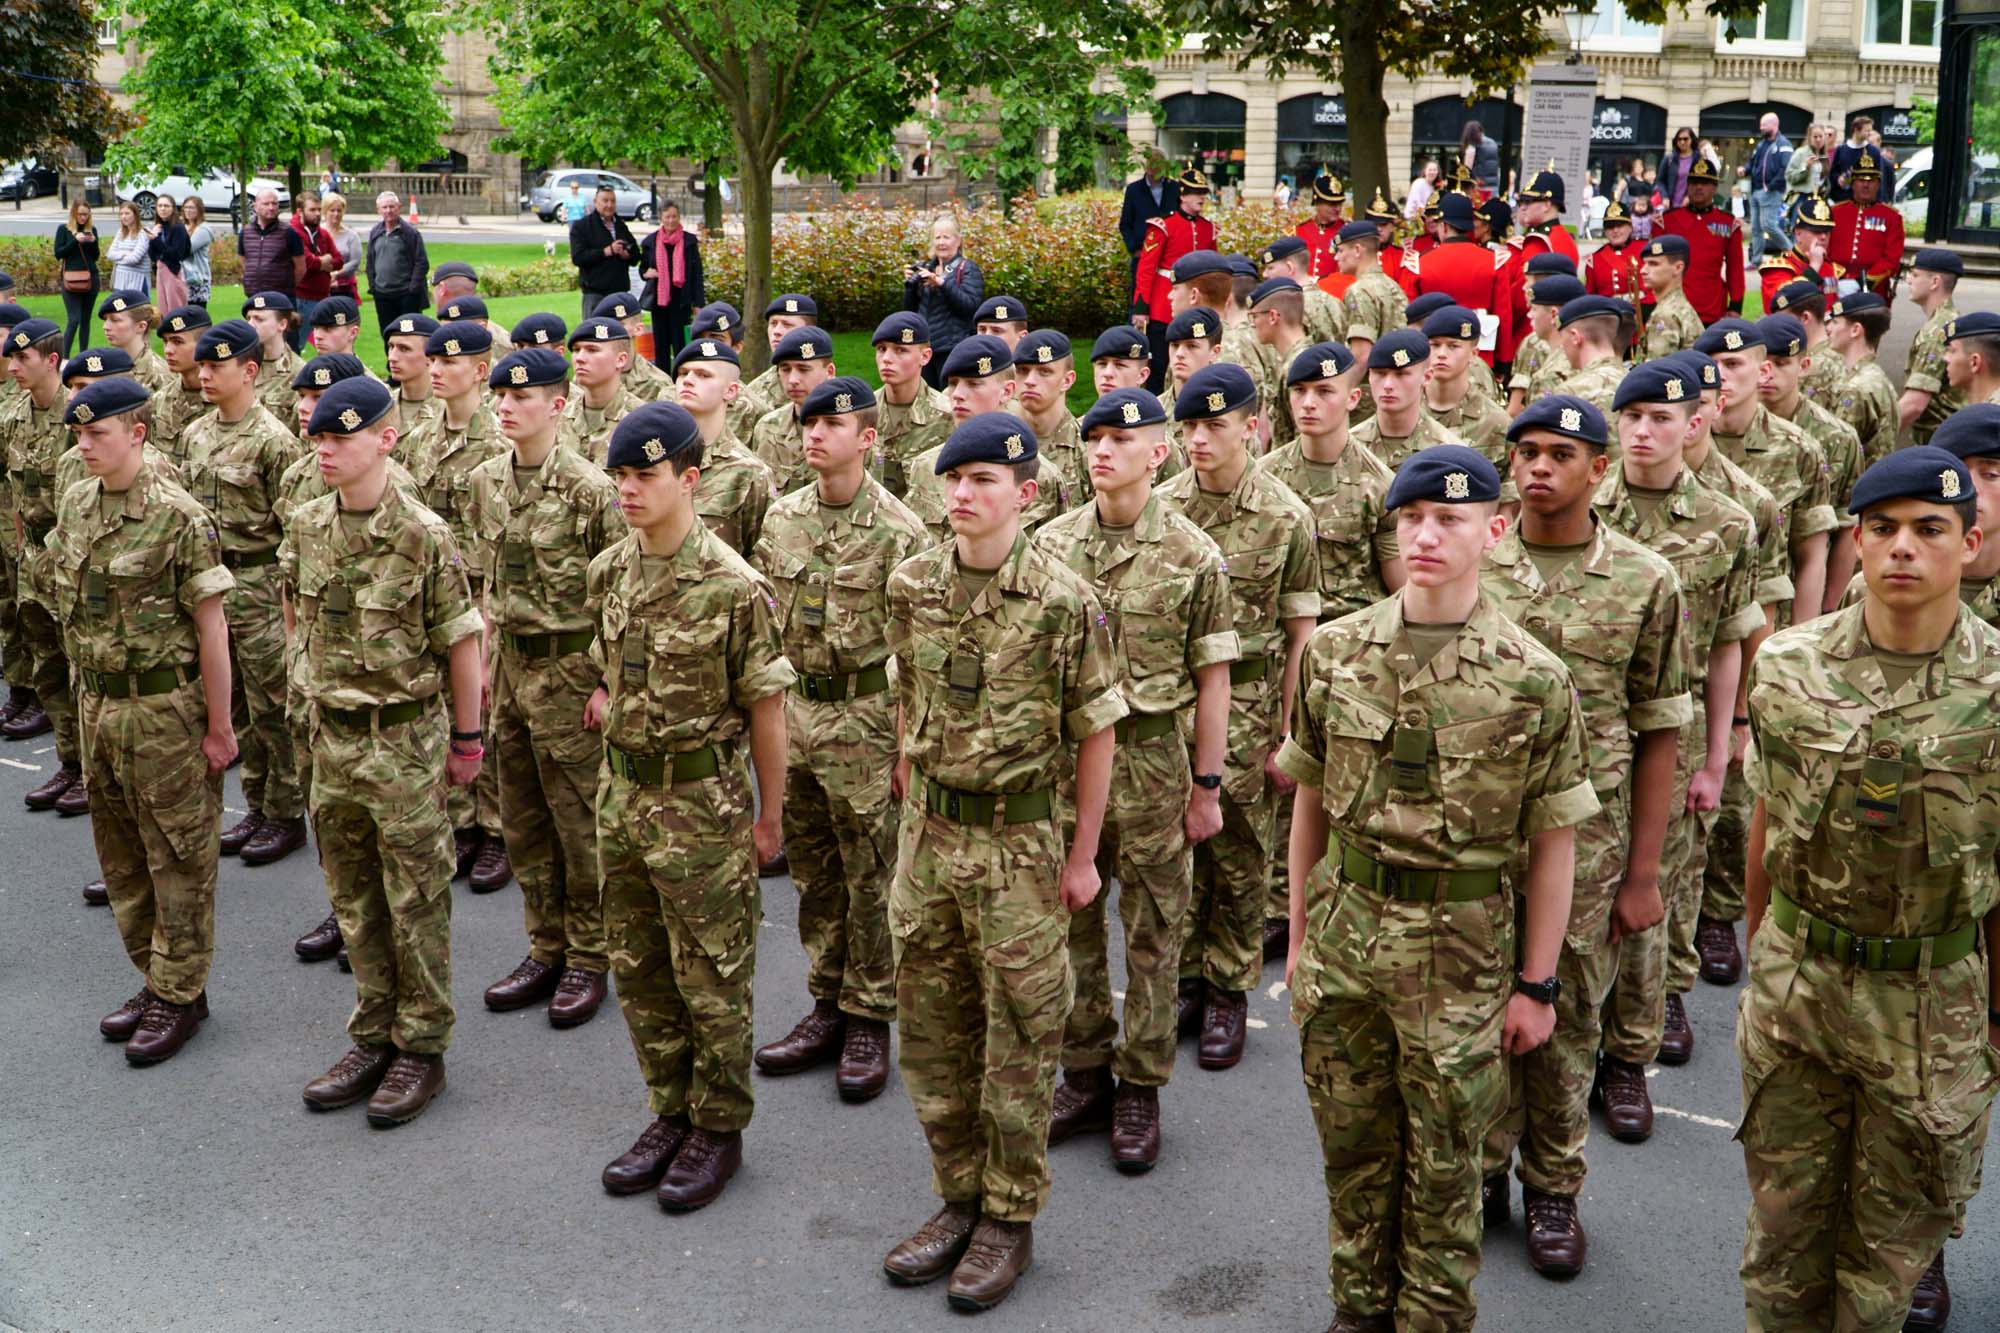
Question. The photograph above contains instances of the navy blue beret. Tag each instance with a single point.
(904, 328)
(1213, 391)
(1121, 342)
(471, 307)
(269, 301)
(1001, 310)
(1667, 246)
(1783, 335)
(182, 319)
(1548, 261)
(1421, 308)
(1358, 231)
(715, 317)
(1122, 408)
(987, 437)
(650, 434)
(1728, 335)
(454, 268)
(1920, 472)
(1706, 373)
(104, 398)
(837, 397)
(1855, 304)
(11, 314)
(618, 305)
(807, 344)
(1040, 348)
(1451, 473)
(600, 329)
(539, 330)
(1664, 381)
(417, 325)
(1195, 322)
(6, 281)
(1270, 287)
(1565, 414)
(1937, 259)
(349, 406)
(328, 369)
(1282, 248)
(1241, 266)
(34, 330)
(117, 303)
(1972, 324)
(1792, 293)
(93, 362)
(1588, 307)
(977, 357)
(231, 340)
(1453, 321)
(1198, 262)
(1398, 350)
(792, 303)
(461, 337)
(1971, 432)
(337, 312)
(1321, 361)
(1556, 289)
(706, 349)
(525, 367)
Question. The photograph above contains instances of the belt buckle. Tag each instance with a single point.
(812, 688)
(951, 808)
(1392, 880)
(628, 767)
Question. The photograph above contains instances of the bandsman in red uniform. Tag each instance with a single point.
(1179, 233)
(1714, 281)
(1808, 256)
(1542, 205)
(1867, 245)
(1469, 273)
(1613, 268)
(1329, 215)
(1493, 226)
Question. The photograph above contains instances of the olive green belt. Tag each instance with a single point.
(973, 807)
(1877, 953)
(388, 715)
(1249, 669)
(664, 770)
(1143, 727)
(37, 532)
(550, 645)
(1418, 886)
(137, 684)
(833, 689)
(248, 559)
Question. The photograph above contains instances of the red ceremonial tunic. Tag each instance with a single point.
(1167, 239)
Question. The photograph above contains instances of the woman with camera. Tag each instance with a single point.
(946, 290)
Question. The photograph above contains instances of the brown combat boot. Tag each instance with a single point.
(1628, 1104)
(1676, 1033)
(814, 1040)
(640, 1167)
(75, 801)
(353, 1077)
(409, 1085)
(122, 1022)
(45, 796)
(491, 869)
(529, 983)
(164, 1028)
(1930, 1304)
(275, 840)
(933, 1249)
(1222, 1028)
(241, 832)
(864, 1060)
(579, 994)
(1082, 1104)
(707, 1159)
(10, 708)
(30, 721)
(1556, 1243)
(995, 1258)
(96, 894)
(1135, 1128)
(321, 942)
(1721, 960)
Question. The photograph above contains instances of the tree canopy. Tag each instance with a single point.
(50, 89)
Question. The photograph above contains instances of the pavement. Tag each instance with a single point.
(38, 217)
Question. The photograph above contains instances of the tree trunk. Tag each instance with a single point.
(295, 178)
(711, 198)
(756, 186)
(1361, 72)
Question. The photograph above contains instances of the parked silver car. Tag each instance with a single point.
(216, 187)
(549, 193)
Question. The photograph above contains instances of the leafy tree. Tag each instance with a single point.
(1358, 43)
(50, 91)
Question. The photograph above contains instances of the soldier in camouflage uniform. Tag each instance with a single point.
(1404, 952)
(1194, 340)
(136, 577)
(541, 329)
(14, 656)
(1479, 379)
(383, 614)
(538, 515)
(688, 653)
(1118, 360)
(599, 351)
(979, 377)
(1374, 303)
(336, 326)
(410, 366)
(803, 361)
(1868, 1071)
(1972, 356)
(784, 315)
(1205, 278)
(911, 416)
(1534, 352)
(1451, 397)
(1855, 326)
(1611, 609)
(274, 316)
(828, 550)
(464, 305)
(1710, 540)
(1044, 370)
(1673, 325)
(128, 319)
(737, 487)
(1165, 589)
(642, 379)
(176, 406)
(1324, 317)
(32, 439)
(1587, 334)
(1781, 390)
(1002, 317)
(1266, 536)
(1805, 301)
(1551, 293)
(1972, 434)
(1927, 396)
(1007, 684)
(1277, 319)
(1397, 364)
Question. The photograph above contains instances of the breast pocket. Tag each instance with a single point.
(1482, 766)
(1152, 628)
(237, 490)
(1253, 585)
(1355, 739)
(690, 673)
(390, 616)
(1023, 692)
(1961, 795)
(142, 589)
(854, 613)
(1598, 655)
(449, 497)
(561, 563)
(1802, 747)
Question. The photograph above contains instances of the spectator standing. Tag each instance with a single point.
(347, 240)
(1673, 173)
(321, 255)
(1421, 190)
(1887, 158)
(602, 248)
(1765, 174)
(127, 252)
(168, 247)
(1847, 154)
(76, 255)
(947, 289)
(576, 205)
(1635, 183)
(1154, 195)
(1644, 219)
(670, 283)
(1281, 193)
(1480, 155)
(195, 268)
(1807, 172)
(396, 263)
(274, 255)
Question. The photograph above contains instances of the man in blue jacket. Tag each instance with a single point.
(1766, 174)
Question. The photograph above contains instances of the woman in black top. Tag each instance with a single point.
(167, 243)
(76, 254)
(946, 289)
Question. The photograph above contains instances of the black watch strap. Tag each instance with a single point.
(1212, 781)
(1543, 991)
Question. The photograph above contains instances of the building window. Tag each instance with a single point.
(107, 32)
(1909, 23)
(1610, 28)
(1778, 23)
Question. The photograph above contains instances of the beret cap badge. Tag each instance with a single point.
(843, 402)
(94, 364)
(1217, 401)
(1457, 486)
(1572, 419)
(1131, 414)
(1014, 446)
(322, 377)
(1401, 358)
(351, 419)
(654, 450)
(1948, 484)
(84, 414)
(517, 375)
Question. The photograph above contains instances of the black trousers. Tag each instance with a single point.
(76, 309)
(670, 326)
(391, 306)
(1156, 338)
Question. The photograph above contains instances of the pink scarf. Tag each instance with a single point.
(669, 261)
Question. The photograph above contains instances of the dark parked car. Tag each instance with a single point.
(28, 180)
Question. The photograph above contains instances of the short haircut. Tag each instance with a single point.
(1948, 281)
(1291, 306)
(386, 197)
(1874, 323)
(49, 344)
(1026, 470)
(1214, 289)
(1988, 346)
(1370, 242)
(1240, 287)
(689, 457)
(303, 195)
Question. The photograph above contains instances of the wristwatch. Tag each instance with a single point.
(1544, 992)
(1212, 781)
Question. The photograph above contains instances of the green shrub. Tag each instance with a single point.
(32, 261)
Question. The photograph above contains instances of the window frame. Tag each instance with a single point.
(1905, 49)
(1765, 46)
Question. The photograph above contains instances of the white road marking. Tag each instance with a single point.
(1276, 990)
(26, 768)
(1257, 1023)
(1711, 1121)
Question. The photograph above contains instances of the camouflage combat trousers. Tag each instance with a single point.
(1224, 939)
(256, 617)
(547, 767)
(1548, 1090)
(840, 836)
(1400, 1007)
(1728, 850)
(478, 805)
(1635, 1013)
(1145, 845)
(155, 817)
(983, 987)
(378, 817)
(681, 913)
(48, 675)
(1278, 893)
(15, 659)
(1866, 1101)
